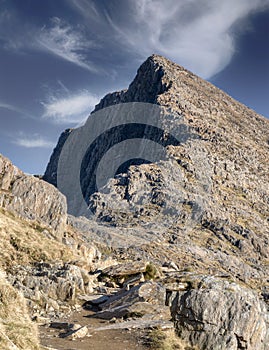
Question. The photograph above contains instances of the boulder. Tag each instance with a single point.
(76, 332)
(219, 315)
(146, 298)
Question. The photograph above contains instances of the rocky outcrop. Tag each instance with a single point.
(31, 198)
(51, 170)
(217, 314)
(50, 287)
(151, 81)
(8, 173)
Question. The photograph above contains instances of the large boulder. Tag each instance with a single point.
(146, 298)
(218, 315)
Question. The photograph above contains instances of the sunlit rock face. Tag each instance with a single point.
(204, 206)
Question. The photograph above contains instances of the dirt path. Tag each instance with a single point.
(109, 339)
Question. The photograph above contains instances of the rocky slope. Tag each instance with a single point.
(178, 243)
(229, 238)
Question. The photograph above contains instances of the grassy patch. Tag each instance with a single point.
(151, 272)
(23, 243)
(158, 339)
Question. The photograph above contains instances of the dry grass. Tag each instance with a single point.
(16, 329)
(158, 339)
(23, 243)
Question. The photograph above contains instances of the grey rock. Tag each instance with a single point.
(35, 200)
(31, 198)
(129, 268)
(97, 300)
(51, 170)
(76, 332)
(173, 202)
(8, 173)
(147, 297)
(220, 315)
(60, 325)
(50, 285)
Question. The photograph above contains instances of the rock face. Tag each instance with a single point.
(49, 285)
(205, 208)
(8, 173)
(220, 315)
(209, 198)
(31, 198)
(51, 170)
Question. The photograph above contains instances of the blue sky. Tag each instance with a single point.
(58, 58)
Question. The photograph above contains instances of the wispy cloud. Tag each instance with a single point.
(15, 109)
(9, 107)
(66, 42)
(33, 141)
(70, 109)
(196, 34)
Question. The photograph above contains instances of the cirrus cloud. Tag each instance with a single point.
(199, 35)
(64, 41)
(33, 141)
(72, 109)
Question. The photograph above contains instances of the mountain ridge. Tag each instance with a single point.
(194, 223)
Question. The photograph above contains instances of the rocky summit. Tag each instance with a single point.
(175, 250)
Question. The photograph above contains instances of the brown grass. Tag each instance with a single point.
(158, 339)
(24, 243)
(16, 329)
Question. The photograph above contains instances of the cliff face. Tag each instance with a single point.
(205, 207)
(51, 170)
(31, 198)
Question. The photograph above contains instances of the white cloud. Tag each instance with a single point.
(71, 109)
(33, 141)
(9, 107)
(14, 109)
(196, 34)
(64, 41)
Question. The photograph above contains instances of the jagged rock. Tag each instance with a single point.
(8, 173)
(49, 285)
(126, 275)
(205, 207)
(31, 198)
(229, 145)
(126, 269)
(220, 315)
(51, 170)
(147, 297)
(35, 200)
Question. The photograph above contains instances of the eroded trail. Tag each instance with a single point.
(120, 337)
